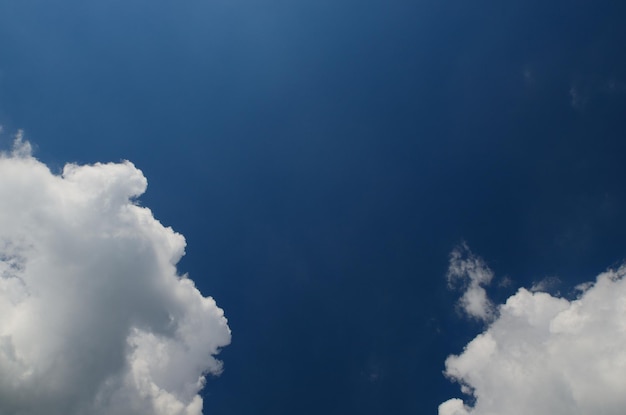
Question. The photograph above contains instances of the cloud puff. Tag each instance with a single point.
(94, 318)
(473, 274)
(545, 355)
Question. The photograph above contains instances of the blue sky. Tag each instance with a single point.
(323, 158)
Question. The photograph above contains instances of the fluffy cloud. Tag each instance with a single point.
(545, 355)
(94, 318)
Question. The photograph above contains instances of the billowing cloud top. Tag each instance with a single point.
(544, 355)
(94, 318)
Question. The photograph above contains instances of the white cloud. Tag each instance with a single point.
(545, 355)
(473, 274)
(94, 318)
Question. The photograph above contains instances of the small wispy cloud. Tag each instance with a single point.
(584, 92)
(578, 98)
(472, 275)
(94, 318)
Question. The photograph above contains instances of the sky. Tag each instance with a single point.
(261, 207)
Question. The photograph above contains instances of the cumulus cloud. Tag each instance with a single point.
(94, 318)
(472, 274)
(546, 355)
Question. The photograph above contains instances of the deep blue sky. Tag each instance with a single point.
(322, 158)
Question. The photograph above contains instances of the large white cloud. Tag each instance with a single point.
(544, 355)
(94, 318)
